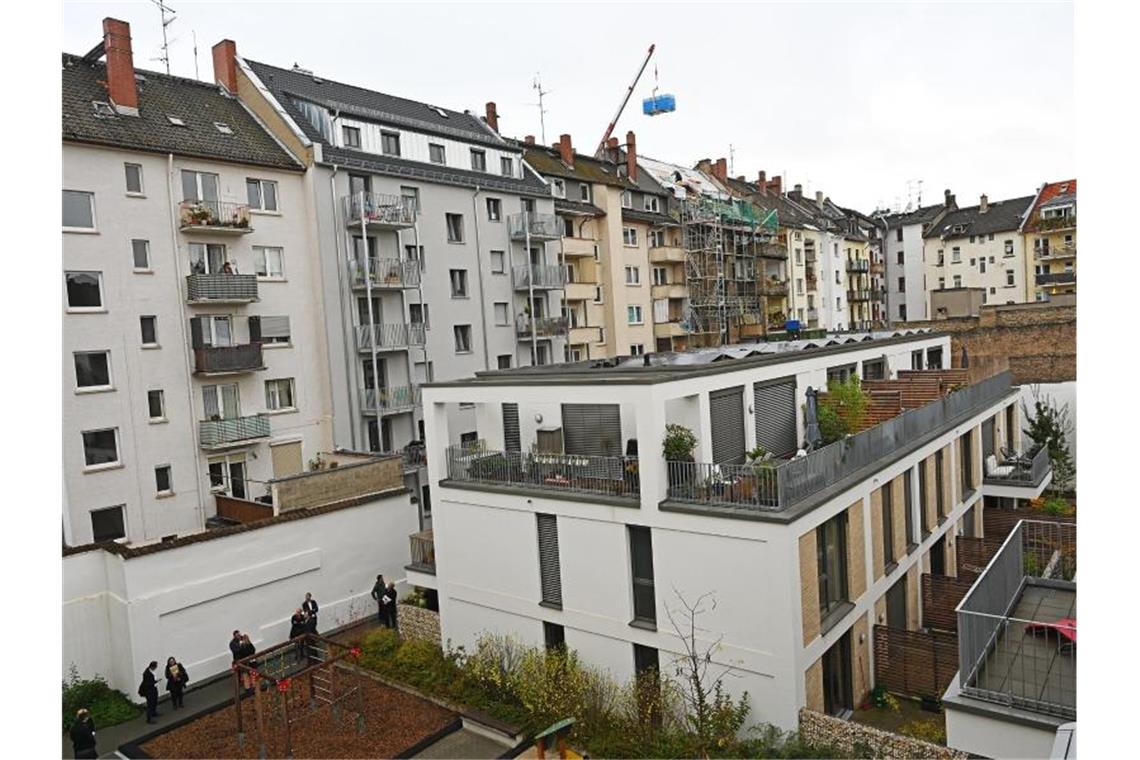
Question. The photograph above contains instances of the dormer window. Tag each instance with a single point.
(626, 199)
(175, 120)
(558, 188)
(351, 136)
(959, 228)
(651, 203)
(103, 109)
(439, 111)
(437, 154)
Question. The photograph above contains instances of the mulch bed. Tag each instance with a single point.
(393, 723)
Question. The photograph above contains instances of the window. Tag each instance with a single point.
(971, 238)
(414, 253)
(93, 369)
(262, 194)
(140, 255)
(902, 311)
(148, 326)
(351, 136)
(955, 255)
(269, 262)
(458, 283)
(478, 160)
(494, 210)
(275, 330)
(504, 361)
(908, 507)
(101, 447)
(507, 166)
(966, 446)
(162, 480)
(78, 210)
(831, 562)
(584, 192)
(598, 294)
(553, 636)
(84, 291)
(898, 236)
(601, 335)
(550, 574)
(641, 571)
(633, 275)
(502, 313)
(208, 258)
(462, 339)
(888, 508)
(941, 283)
(660, 276)
(922, 495)
(418, 314)
(527, 205)
(199, 186)
(939, 494)
(557, 187)
(982, 265)
(629, 235)
(498, 262)
(454, 228)
(633, 315)
(437, 154)
(957, 280)
(411, 197)
(134, 178)
(941, 257)
(390, 143)
(1009, 278)
(636, 349)
(626, 199)
(1008, 248)
(279, 394)
(900, 260)
(156, 405)
(652, 203)
(107, 524)
(902, 284)
(656, 238)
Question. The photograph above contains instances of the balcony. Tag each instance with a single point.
(858, 266)
(1055, 253)
(541, 227)
(227, 360)
(422, 549)
(217, 434)
(574, 248)
(396, 400)
(671, 329)
(385, 273)
(564, 473)
(385, 212)
(1056, 278)
(811, 282)
(218, 217)
(774, 288)
(809, 256)
(862, 294)
(581, 291)
(669, 290)
(390, 337)
(777, 251)
(877, 267)
(580, 335)
(221, 288)
(666, 254)
(543, 277)
(1057, 223)
(1017, 477)
(544, 327)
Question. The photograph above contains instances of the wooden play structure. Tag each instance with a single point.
(291, 681)
(554, 738)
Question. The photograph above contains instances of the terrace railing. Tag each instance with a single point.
(383, 210)
(576, 473)
(735, 485)
(386, 273)
(220, 215)
(1028, 473)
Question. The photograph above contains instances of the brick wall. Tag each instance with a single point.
(813, 686)
(809, 587)
(877, 558)
(856, 555)
(338, 483)
(850, 739)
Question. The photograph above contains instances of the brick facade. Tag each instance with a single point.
(809, 587)
(813, 686)
(856, 555)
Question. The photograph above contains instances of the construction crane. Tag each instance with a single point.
(610, 129)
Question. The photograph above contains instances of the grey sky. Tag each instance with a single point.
(854, 99)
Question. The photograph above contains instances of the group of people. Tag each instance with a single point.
(176, 680)
(385, 596)
(304, 619)
(240, 648)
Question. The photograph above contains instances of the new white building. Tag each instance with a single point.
(905, 268)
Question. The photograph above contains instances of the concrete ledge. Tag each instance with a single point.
(630, 502)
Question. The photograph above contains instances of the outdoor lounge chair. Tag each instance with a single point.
(1065, 628)
(994, 470)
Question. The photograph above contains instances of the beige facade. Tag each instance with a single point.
(994, 262)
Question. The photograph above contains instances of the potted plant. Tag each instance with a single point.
(678, 447)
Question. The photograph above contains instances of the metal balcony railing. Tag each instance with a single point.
(215, 215)
(752, 486)
(541, 275)
(422, 550)
(1056, 278)
(576, 473)
(215, 433)
(1056, 252)
(210, 360)
(391, 211)
(858, 265)
(540, 226)
(223, 288)
(1056, 223)
(390, 336)
(859, 295)
(386, 273)
(401, 398)
(544, 327)
(1029, 472)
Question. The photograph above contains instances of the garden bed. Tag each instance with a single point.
(909, 720)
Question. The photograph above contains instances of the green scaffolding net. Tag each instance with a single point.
(734, 211)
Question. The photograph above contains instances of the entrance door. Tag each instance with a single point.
(938, 557)
(837, 677)
(237, 479)
(896, 604)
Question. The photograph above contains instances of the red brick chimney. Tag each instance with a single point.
(566, 150)
(762, 182)
(529, 139)
(121, 86)
(720, 169)
(492, 117)
(225, 65)
(631, 156)
(776, 185)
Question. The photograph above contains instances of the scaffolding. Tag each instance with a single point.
(722, 242)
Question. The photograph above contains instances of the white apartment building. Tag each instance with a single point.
(192, 347)
(905, 279)
(586, 534)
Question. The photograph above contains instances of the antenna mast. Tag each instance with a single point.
(537, 86)
(163, 10)
(195, 33)
(731, 159)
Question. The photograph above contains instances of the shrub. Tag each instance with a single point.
(842, 411)
(679, 444)
(1057, 506)
(925, 730)
(378, 648)
(106, 705)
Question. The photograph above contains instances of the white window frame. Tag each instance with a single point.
(585, 194)
(462, 280)
(629, 237)
(261, 261)
(94, 228)
(507, 166)
(447, 225)
(108, 386)
(626, 199)
(162, 402)
(558, 187)
(442, 151)
(156, 343)
(502, 262)
(651, 203)
(632, 276)
(656, 238)
(118, 461)
(636, 349)
(634, 309)
(660, 275)
(204, 249)
(456, 331)
(101, 308)
(141, 192)
(134, 264)
(273, 395)
(261, 207)
(1010, 278)
(497, 216)
(481, 154)
(169, 490)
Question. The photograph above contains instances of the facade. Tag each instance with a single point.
(1050, 231)
(587, 535)
(193, 355)
(979, 247)
(905, 279)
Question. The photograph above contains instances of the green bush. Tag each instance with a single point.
(925, 730)
(106, 705)
(842, 410)
(378, 649)
(1056, 506)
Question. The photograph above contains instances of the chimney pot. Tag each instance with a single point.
(631, 156)
(225, 65)
(529, 139)
(950, 202)
(492, 117)
(799, 188)
(121, 87)
(819, 198)
(566, 150)
(984, 205)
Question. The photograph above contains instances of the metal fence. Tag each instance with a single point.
(219, 432)
(383, 400)
(380, 209)
(396, 335)
(386, 273)
(221, 287)
(1027, 473)
(580, 473)
(225, 214)
(540, 276)
(541, 226)
(737, 485)
(543, 326)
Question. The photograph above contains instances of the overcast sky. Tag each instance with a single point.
(859, 100)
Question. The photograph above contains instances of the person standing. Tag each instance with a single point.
(148, 689)
(378, 591)
(235, 645)
(83, 735)
(297, 624)
(246, 649)
(311, 609)
(176, 680)
(390, 599)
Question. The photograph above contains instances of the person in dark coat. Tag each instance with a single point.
(83, 735)
(246, 649)
(378, 594)
(390, 604)
(297, 624)
(148, 689)
(235, 645)
(176, 680)
(311, 608)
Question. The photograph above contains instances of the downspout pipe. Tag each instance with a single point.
(479, 270)
(345, 328)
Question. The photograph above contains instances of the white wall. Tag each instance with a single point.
(990, 737)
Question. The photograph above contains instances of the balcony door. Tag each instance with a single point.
(374, 374)
(217, 331)
(837, 678)
(228, 474)
(896, 604)
(207, 258)
(221, 401)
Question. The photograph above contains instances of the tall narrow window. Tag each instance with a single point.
(550, 574)
(454, 228)
(888, 525)
(163, 483)
(922, 496)
(966, 444)
(641, 565)
(939, 494)
(831, 560)
(134, 178)
(140, 255)
(156, 405)
(148, 327)
(554, 636)
(908, 505)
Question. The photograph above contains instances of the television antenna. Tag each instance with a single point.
(537, 87)
(195, 33)
(731, 159)
(163, 10)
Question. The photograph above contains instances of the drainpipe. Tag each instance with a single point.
(344, 327)
(373, 336)
(479, 269)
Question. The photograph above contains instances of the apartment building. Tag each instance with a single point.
(192, 343)
(1050, 231)
(438, 247)
(978, 247)
(905, 279)
(588, 536)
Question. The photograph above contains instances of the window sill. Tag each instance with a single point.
(142, 271)
(495, 272)
(289, 410)
(85, 310)
(262, 212)
(81, 231)
(262, 278)
(157, 421)
(94, 389)
(135, 195)
(550, 605)
(645, 625)
(103, 467)
(456, 242)
(266, 346)
(463, 353)
(150, 346)
(831, 619)
(164, 494)
(455, 297)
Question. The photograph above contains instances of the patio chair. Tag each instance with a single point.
(994, 470)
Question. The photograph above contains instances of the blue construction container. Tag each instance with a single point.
(659, 104)
(792, 325)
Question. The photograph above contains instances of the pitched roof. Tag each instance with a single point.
(1052, 194)
(548, 162)
(198, 104)
(921, 215)
(787, 214)
(1000, 216)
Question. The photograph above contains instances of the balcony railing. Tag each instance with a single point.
(401, 398)
(390, 336)
(1057, 252)
(540, 226)
(386, 211)
(861, 294)
(858, 265)
(386, 273)
(221, 288)
(774, 251)
(215, 216)
(574, 473)
(217, 433)
(544, 327)
(422, 549)
(1057, 278)
(774, 287)
(754, 487)
(1023, 472)
(541, 275)
(1056, 223)
(1016, 642)
(218, 360)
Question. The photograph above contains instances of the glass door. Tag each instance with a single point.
(837, 678)
(237, 479)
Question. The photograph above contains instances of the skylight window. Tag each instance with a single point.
(223, 128)
(103, 109)
(175, 120)
(439, 111)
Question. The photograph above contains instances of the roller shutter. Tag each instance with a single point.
(593, 429)
(726, 410)
(549, 570)
(774, 405)
(287, 459)
(511, 441)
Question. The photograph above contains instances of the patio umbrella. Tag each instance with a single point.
(811, 420)
(965, 357)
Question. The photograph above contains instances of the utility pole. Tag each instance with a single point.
(537, 86)
(163, 10)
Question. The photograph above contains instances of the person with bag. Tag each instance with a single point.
(176, 680)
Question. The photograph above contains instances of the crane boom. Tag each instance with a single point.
(624, 100)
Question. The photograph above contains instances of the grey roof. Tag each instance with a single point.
(1001, 216)
(198, 104)
(921, 215)
(577, 207)
(402, 167)
(787, 213)
(649, 217)
(1060, 200)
